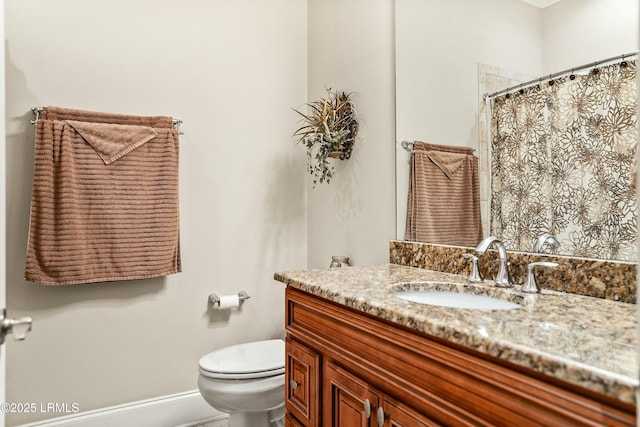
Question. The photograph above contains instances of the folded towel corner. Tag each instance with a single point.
(112, 141)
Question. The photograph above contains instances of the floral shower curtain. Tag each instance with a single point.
(562, 155)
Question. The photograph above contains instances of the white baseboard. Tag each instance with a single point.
(166, 411)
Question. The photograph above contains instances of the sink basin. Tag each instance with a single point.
(457, 300)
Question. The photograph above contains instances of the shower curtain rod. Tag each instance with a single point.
(553, 76)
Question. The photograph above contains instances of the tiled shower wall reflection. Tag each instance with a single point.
(490, 79)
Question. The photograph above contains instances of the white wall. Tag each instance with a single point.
(577, 32)
(351, 49)
(438, 48)
(231, 70)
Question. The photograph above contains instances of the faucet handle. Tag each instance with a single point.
(530, 286)
(474, 274)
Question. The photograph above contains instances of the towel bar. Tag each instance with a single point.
(176, 126)
(37, 110)
(408, 145)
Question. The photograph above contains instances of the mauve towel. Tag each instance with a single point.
(444, 196)
(104, 204)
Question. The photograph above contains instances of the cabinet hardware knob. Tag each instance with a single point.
(380, 416)
(367, 408)
(294, 384)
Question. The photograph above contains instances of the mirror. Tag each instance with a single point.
(449, 54)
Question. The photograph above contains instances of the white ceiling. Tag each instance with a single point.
(540, 3)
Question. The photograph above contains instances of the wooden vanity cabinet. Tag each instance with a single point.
(302, 367)
(345, 368)
(349, 401)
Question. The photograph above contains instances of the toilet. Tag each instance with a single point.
(247, 382)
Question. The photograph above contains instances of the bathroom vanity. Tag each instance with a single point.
(357, 355)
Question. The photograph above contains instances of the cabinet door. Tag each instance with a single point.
(290, 421)
(302, 383)
(347, 401)
(395, 414)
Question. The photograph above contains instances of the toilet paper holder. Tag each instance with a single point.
(214, 299)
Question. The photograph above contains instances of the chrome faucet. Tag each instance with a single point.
(530, 285)
(474, 273)
(502, 279)
(546, 238)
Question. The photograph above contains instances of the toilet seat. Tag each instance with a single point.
(258, 359)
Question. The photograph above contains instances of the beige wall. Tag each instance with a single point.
(231, 70)
(351, 49)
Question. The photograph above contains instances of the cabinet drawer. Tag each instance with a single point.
(302, 382)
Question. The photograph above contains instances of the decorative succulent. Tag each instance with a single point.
(328, 131)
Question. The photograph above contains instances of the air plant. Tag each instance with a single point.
(328, 131)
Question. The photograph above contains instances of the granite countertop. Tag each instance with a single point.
(590, 342)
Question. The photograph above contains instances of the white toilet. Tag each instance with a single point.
(247, 382)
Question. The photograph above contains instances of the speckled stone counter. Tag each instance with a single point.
(590, 342)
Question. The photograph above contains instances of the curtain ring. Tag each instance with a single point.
(623, 63)
(572, 76)
(551, 82)
(595, 70)
(521, 89)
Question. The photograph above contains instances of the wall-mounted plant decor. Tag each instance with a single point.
(328, 130)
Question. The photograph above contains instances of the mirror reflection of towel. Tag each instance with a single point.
(444, 196)
(448, 163)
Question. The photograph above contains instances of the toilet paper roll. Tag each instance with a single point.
(229, 301)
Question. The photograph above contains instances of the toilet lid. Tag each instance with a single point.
(250, 360)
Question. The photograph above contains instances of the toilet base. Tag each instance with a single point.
(274, 418)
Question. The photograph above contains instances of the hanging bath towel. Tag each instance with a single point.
(104, 205)
(444, 196)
